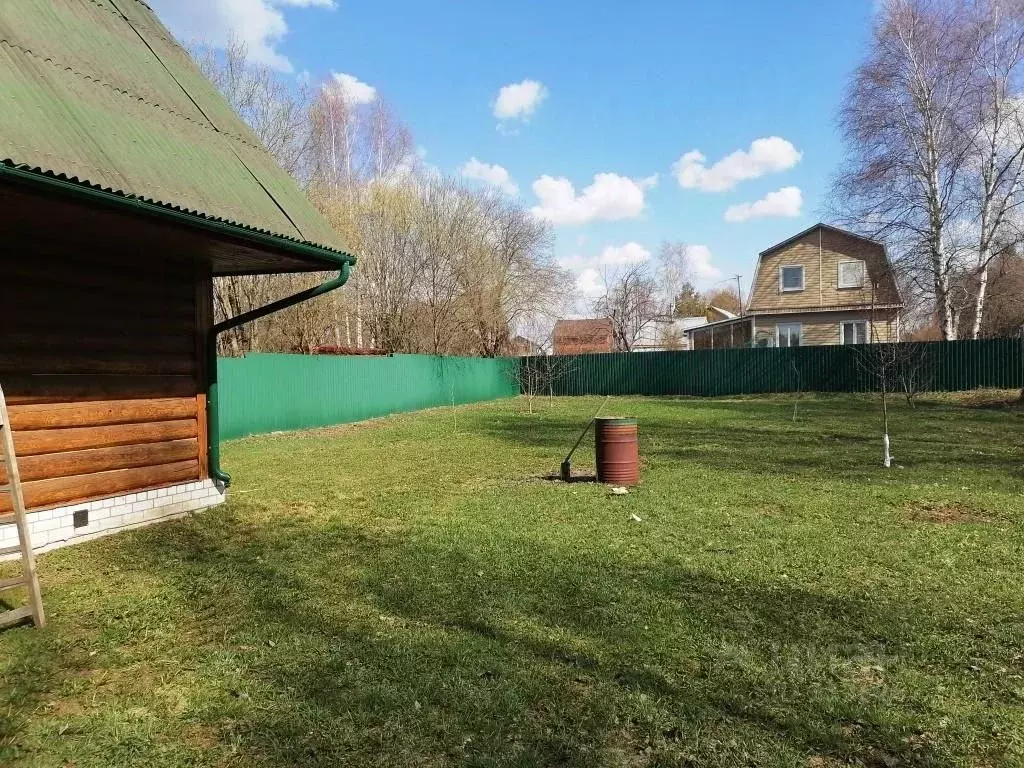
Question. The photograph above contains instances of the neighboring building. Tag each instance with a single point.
(715, 314)
(821, 286)
(667, 334)
(520, 346)
(583, 337)
(128, 184)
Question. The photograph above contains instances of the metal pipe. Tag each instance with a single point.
(212, 395)
(565, 471)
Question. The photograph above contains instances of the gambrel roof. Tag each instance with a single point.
(824, 294)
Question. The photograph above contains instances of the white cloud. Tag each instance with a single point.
(768, 155)
(518, 101)
(784, 203)
(491, 174)
(591, 270)
(620, 255)
(609, 198)
(698, 258)
(351, 89)
(590, 284)
(259, 24)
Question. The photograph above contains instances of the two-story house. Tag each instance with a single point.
(821, 286)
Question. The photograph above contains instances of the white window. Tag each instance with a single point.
(791, 278)
(787, 335)
(851, 274)
(854, 332)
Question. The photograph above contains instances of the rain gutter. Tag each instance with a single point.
(212, 395)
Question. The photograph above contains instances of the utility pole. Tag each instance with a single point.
(739, 292)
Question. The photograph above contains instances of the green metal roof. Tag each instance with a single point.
(98, 92)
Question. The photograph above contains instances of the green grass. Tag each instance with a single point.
(409, 592)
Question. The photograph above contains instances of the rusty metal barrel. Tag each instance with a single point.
(618, 453)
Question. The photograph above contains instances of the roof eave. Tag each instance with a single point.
(812, 228)
(822, 309)
(318, 256)
(717, 323)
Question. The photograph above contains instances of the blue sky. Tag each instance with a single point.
(628, 89)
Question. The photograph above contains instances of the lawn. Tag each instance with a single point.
(412, 592)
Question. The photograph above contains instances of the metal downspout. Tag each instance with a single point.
(212, 398)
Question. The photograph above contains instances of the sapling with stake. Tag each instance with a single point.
(879, 360)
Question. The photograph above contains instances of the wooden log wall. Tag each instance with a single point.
(103, 368)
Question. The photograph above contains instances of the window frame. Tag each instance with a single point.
(839, 275)
(854, 323)
(788, 326)
(782, 281)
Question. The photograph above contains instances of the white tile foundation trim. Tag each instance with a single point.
(53, 528)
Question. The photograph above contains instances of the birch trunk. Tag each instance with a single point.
(359, 318)
(979, 301)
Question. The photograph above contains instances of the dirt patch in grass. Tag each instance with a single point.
(578, 475)
(991, 398)
(945, 513)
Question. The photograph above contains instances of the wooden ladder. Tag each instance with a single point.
(28, 578)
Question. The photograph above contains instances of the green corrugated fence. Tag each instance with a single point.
(942, 366)
(265, 393)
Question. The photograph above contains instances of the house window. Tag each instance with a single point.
(787, 335)
(851, 274)
(791, 278)
(854, 332)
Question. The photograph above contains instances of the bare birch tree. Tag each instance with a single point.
(674, 273)
(903, 121)
(997, 138)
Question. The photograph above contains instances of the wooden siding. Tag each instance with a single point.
(822, 328)
(819, 252)
(102, 363)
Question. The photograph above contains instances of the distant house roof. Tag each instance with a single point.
(665, 333)
(716, 324)
(583, 336)
(688, 323)
(520, 346)
(99, 95)
(596, 327)
(725, 313)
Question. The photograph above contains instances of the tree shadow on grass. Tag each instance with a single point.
(32, 665)
(833, 437)
(403, 650)
(824, 448)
